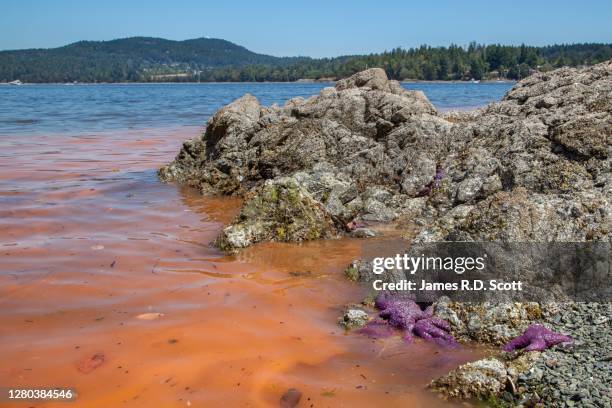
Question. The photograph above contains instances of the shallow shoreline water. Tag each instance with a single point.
(85, 109)
(99, 257)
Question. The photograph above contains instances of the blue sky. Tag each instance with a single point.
(314, 28)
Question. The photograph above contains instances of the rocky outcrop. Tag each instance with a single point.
(480, 379)
(347, 148)
(533, 167)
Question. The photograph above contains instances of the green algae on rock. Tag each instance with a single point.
(280, 211)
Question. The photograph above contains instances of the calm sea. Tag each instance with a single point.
(37, 109)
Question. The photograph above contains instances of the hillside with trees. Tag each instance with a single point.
(143, 59)
(129, 59)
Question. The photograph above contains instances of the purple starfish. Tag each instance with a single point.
(536, 338)
(435, 183)
(406, 315)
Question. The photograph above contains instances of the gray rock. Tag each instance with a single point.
(374, 78)
(353, 318)
(487, 379)
(479, 379)
(363, 233)
(491, 323)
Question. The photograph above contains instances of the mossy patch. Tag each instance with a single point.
(351, 273)
(281, 211)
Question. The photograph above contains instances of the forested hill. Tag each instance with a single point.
(128, 59)
(143, 59)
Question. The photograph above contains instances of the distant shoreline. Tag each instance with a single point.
(314, 81)
(456, 81)
(150, 59)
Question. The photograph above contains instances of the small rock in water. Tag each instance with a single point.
(290, 398)
(353, 318)
(88, 364)
(363, 233)
(97, 247)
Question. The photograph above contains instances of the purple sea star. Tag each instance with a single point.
(406, 315)
(435, 183)
(536, 338)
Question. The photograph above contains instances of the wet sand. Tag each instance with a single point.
(98, 257)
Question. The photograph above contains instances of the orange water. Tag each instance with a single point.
(89, 240)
